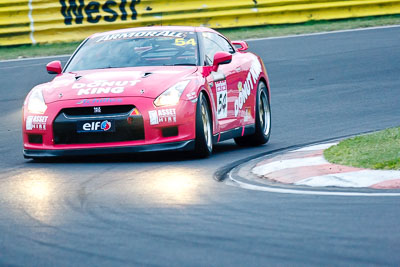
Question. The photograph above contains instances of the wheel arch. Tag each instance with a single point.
(264, 80)
(210, 107)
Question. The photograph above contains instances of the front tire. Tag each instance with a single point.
(203, 143)
(263, 120)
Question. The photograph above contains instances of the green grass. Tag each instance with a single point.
(11, 52)
(380, 150)
(39, 50)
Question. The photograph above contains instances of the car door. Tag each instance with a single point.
(224, 81)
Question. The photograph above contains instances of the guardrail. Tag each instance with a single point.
(42, 21)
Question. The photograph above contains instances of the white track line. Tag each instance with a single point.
(287, 164)
(266, 38)
(364, 178)
(324, 33)
(305, 192)
(316, 147)
(33, 58)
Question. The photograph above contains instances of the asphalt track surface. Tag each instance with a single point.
(168, 209)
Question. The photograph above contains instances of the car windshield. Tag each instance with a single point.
(136, 49)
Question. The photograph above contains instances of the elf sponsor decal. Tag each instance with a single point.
(103, 87)
(162, 116)
(129, 35)
(96, 126)
(99, 101)
(36, 122)
(222, 97)
(246, 88)
(93, 11)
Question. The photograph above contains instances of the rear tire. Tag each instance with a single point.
(203, 142)
(263, 120)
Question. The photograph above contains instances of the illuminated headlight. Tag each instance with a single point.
(36, 102)
(172, 95)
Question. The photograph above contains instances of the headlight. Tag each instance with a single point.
(171, 95)
(36, 102)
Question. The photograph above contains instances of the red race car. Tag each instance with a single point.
(149, 89)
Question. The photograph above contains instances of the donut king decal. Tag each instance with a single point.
(130, 35)
(249, 84)
(222, 92)
(103, 87)
(36, 122)
(162, 116)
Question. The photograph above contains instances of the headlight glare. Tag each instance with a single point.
(172, 95)
(36, 104)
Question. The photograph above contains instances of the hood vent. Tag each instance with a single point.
(147, 74)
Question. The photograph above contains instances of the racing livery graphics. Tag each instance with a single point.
(222, 92)
(149, 89)
(95, 126)
(36, 122)
(249, 84)
(103, 87)
(162, 116)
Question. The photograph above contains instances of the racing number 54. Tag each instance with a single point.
(182, 42)
(221, 103)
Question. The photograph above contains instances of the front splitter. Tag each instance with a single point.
(48, 153)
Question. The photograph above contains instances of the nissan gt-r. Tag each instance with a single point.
(149, 89)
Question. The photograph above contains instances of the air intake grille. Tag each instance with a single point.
(104, 110)
(127, 128)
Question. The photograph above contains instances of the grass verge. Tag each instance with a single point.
(11, 52)
(380, 150)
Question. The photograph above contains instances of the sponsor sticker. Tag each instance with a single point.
(222, 97)
(82, 12)
(249, 84)
(153, 117)
(130, 35)
(159, 116)
(96, 126)
(103, 87)
(247, 115)
(36, 122)
(99, 101)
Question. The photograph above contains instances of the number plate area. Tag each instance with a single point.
(95, 126)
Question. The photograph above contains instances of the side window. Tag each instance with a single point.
(214, 43)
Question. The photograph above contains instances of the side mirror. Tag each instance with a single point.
(243, 45)
(221, 58)
(54, 67)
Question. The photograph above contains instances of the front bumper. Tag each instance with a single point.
(175, 146)
(53, 134)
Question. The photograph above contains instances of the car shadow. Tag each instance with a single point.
(160, 156)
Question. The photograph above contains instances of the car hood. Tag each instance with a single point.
(145, 82)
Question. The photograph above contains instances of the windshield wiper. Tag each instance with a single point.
(107, 67)
(180, 64)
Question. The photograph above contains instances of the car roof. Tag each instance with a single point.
(156, 28)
